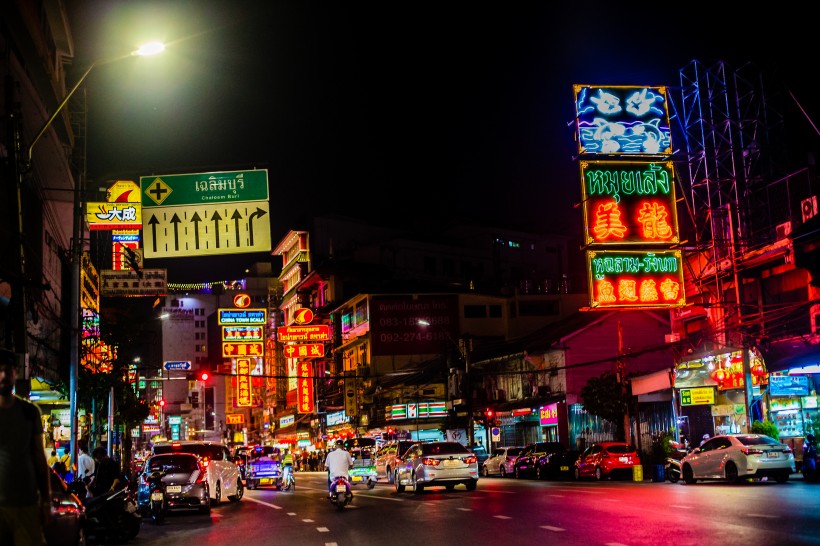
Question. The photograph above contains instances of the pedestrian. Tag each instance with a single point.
(107, 476)
(85, 464)
(304, 458)
(25, 483)
(314, 462)
(65, 461)
(53, 458)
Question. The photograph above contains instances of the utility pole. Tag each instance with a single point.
(465, 347)
(622, 382)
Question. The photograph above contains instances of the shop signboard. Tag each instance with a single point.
(697, 397)
(242, 316)
(788, 385)
(336, 418)
(548, 415)
(635, 279)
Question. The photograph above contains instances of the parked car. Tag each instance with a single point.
(501, 461)
(605, 460)
(221, 472)
(386, 457)
(533, 461)
(67, 525)
(436, 463)
(186, 486)
(737, 457)
(481, 454)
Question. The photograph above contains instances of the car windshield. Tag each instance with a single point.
(515, 451)
(548, 447)
(173, 463)
(757, 440)
(623, 448)
(443, 448)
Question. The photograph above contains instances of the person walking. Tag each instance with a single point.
(25, 483)
(85, 464)
(107, 476)
(53, 458)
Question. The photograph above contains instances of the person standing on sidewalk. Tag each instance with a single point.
(25, 482)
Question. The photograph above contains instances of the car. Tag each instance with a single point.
(67, 524)
(533, 461)
(186, 486)
(386, 457)
(501, 461)
(221, 472)
(363, 470)
(243, 454)
(262, 470)
(738, 457)
(436, 463)
(481, 454)
(606, 460)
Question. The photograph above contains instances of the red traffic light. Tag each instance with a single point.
(162, 403)
(489, 413)
(204, 376)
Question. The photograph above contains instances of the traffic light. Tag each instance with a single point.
(488, 416)
(203, 376)
(162, 403)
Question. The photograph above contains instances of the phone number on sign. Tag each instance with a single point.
(404, 337)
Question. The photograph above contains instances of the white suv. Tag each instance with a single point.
(222, 472)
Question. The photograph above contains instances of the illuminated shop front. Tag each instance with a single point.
(418, 420)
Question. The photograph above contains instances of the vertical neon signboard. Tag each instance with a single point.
(622, 120)
(304, 391)
(244, 397)
(646, 279)
(629, 203)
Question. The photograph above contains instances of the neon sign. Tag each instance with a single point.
(619, 279)
(622, 120)
(629, 202)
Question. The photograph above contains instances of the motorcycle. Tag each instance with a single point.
(286, 480)
(340, 493)
(672, 465)
(158, 502)
(110, 516)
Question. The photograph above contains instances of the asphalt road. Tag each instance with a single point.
(509, 512)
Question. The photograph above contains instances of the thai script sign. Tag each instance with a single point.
(319, 332)
(635, 279)
(242, 316)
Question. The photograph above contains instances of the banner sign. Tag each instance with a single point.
(399, 331)
(243, 316)
(629, 203)
(622, 120)
(242, 333)
(234, 418)
(304, 351)
(697, 397)
(624, 279)
(230, 349)
(108, 216)
(336, 418)
(319, 332)
(244, 397)
(788, 385)
(548, 415)
(420, 410)
(304, 402)
(153, 282)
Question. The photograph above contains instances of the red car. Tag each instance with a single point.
(604, 460)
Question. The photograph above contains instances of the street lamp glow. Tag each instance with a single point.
(151, 48)
(423, 322)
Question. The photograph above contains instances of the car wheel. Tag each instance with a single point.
(539, 473)
(390, 475)
(217, 494)
(397, 483)
(688, 475)
(371, 484)
(471, 485)
(731, 473)
(577, 473)
(599, 475)
(783, 477)
(417, 487)
(517, 473)
(240, 491)
(503, 472)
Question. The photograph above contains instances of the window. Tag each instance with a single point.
(495, 311)
(475, 311)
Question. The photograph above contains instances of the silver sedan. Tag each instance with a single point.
(436, 463)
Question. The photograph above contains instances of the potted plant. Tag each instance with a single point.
(766, 427)
(660, 450)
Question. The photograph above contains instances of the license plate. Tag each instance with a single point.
(174, 488)
(156, 496)
(623, 459)
(452, 462)
(564, 469)
(355, 478)
(772, 455)
(341, 488)
(266, 481)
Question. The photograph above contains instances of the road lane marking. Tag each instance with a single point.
(551, 528)
(269, 505)
(502, 517)
(465, 509)
(307, 521)
(324, 530)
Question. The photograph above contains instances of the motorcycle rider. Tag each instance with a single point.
(338, 462)
(287, 465)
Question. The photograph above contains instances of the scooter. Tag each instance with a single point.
(286, 480)
(158, 500)
(110, 516)
(340, 493)
(672, 466)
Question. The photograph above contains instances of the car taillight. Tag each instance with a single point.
(751, 451)
(470, 460)
(787, 450)
(430, 462)
(204, 463)
(202, 474)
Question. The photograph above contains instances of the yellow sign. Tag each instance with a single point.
(206, 229)
(697, 397)
(244, 397)
(158, 191)
(234, 418)
(124, 191)
(114, 216)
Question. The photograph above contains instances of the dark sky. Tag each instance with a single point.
(407, 111)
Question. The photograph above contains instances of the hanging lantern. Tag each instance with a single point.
(719, 375)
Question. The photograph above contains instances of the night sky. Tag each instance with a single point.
(410, 112)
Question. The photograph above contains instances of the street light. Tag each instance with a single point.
(148, 49)
(464, 353)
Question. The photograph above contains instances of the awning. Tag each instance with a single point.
(656, 381)
(785, 355)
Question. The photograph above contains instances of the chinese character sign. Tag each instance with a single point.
(244, 397)
(629, 202)
(304, 390)
(619, 279)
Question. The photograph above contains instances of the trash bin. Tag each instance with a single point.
(658, 474)
(637, 473)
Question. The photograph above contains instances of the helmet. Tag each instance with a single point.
(705, 436)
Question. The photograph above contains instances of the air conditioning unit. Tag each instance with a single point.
(783, 230)
(809, 208)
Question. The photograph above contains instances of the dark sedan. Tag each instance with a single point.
(67, 525)
(543, 460)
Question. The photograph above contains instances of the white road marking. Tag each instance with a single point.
(502, 517)
(551, 528)
(324, 530)
(269, 505)
(307, 521)
(465, 509)
(291, 513)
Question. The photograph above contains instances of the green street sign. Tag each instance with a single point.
(203, 188)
